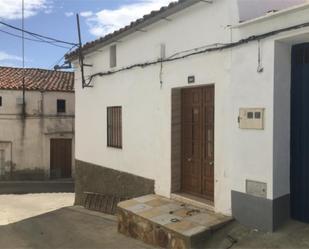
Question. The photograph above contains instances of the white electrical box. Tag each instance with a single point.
(251, 118)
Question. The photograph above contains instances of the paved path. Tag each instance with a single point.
(14, 208)
(43, 221)
(293, 235)
(37, 222)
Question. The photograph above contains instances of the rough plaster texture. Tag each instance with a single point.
(25, 142)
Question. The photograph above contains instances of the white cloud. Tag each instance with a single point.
(86, 13)
(12, 9)
(8, 57)
(48, 11)
(107, 20)
(69, 14)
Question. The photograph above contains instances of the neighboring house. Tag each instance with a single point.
(189, 100)
(37, 141)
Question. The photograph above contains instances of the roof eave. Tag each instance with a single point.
(36, 90)
(143, 24)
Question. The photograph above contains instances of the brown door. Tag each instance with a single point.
(198, 141)
(60, 158)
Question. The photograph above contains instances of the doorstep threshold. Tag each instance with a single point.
(193, 200)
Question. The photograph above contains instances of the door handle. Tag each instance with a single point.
(211, 163)
(189, 160)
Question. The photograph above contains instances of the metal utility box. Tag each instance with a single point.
(255, 188)
(251, 118)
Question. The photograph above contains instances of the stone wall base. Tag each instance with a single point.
(90, 178)
(142, 229)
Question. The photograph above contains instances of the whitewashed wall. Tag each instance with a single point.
(276, 79)
(250, 9)
(239, 154)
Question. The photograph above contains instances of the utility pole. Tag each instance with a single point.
(81, 57)
(23, 58)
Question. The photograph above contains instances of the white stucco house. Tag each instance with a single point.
(190, 101)
(37, 131)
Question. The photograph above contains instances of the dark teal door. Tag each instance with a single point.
(300, 133)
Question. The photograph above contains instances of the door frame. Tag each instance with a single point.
(180, 164)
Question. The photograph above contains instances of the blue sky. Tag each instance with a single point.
(56, 18)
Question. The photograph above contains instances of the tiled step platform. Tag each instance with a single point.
(167, 223)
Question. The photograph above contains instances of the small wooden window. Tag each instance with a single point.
(114, 127)
(0, 100)
(60, 105)
(113, 56)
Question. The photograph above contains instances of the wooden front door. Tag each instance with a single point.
(60, 158)
(198, 141)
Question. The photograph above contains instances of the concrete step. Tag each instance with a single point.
(167, 223)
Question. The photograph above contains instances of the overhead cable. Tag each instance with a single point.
(37, 35)
(33, 39)
(207, 50)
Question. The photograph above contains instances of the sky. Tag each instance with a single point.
(56, 18)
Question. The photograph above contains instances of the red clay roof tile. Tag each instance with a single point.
(36, 79)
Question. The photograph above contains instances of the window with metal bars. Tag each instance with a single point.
(114, 127)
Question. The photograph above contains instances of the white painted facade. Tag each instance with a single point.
(25, 142)
(240, 155)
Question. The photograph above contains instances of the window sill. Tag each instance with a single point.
(114, 147)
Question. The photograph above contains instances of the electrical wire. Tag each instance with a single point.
(197, 49)
(37, 35)
(207, 50)
(50, 42)
(63, 57)
(31, 39)
(56, 63)
(18, 36)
